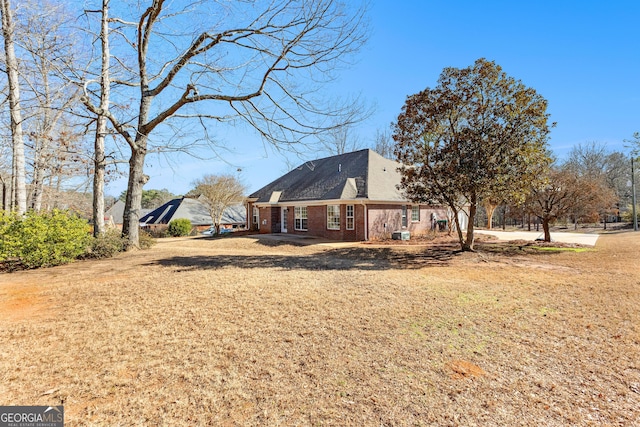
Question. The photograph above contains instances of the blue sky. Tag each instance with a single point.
(582, 56)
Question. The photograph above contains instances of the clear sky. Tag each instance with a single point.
(583, 56)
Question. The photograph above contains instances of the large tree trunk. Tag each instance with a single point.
(99, 159)
(19, 188)
(37, 183)
(456, 221)
(490, 208)
(99, 164)
(467, 245)
(545, 227)
(133, 203)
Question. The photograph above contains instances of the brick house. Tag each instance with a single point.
(349, 197)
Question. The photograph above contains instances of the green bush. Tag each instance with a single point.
(10, 230)
(42, 239)
(106, 245)
(179, 227)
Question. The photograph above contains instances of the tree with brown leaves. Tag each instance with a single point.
(479, 133)
(567, 193)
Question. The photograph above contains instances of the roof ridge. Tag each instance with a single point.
(332, 156)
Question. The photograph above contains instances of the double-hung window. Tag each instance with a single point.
(300, 215)
(333, 217)
(404, 215)
(415, 213)
(350, 217)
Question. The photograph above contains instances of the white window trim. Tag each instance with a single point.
(352, 217)
(336, 223)
(255, 216)
(297, 216)
(412, 208)
(404, 216)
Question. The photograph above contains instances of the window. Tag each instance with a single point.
(285, 218)
(404, 215)
(300, 215)
(415, 213)
(350, 217)
(333, 217)
(256, 217)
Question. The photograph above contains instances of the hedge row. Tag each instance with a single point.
(42, 239)
(52, 238)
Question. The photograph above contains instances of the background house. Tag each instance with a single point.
(113, 217)
(196, 211)
(351, 197)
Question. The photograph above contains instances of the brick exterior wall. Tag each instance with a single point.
(383, 220)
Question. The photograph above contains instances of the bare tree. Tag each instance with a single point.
(99, 152)
(48, 51)
(152, 199)
(383, 143)
(219, 192)
(634, 144)
(589, 159)
(609, 169)
(262, 64)
(339, 141)
(45, 143)
(19, 185)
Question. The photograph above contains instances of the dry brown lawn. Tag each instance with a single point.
(238, 331)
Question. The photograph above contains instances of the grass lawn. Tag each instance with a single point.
(240, 331)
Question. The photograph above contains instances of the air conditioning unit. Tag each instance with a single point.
(401, 235)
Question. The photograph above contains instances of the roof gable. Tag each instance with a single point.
(115, 212)
(384, 179)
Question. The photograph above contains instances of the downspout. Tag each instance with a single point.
(247, 222)
(366, 221)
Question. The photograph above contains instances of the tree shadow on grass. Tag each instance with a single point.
(365, 259)
(529, 248)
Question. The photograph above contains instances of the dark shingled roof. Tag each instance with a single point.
(195, 211)
(361, 174)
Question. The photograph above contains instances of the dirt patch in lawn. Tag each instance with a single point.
(243, 331)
